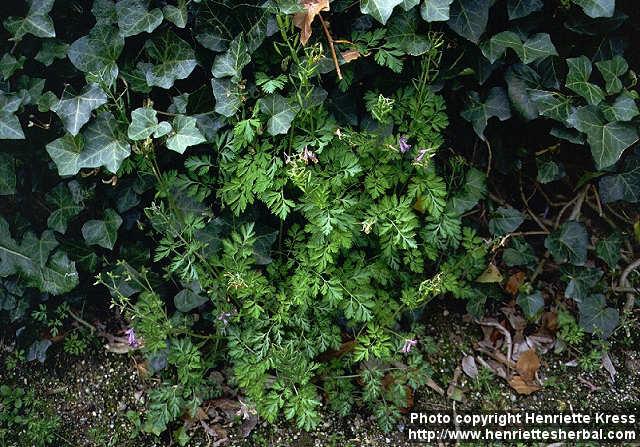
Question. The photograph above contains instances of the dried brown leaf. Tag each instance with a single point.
(303, 20)
(351, 55)
(522, 386)
(514, 282)
(528, 364)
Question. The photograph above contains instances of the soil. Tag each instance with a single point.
(92, 393)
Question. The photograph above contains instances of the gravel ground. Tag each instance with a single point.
(92, 394)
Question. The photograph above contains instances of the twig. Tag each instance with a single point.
(507, 338)
(529, 210)
(624, 282)
(597, 196)
(490, 158)
(91, 327)
(577, 208)
(331, 47)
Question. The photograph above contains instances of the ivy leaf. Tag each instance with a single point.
(185, 134)
(232, 61)
(552, 104)
(568, 243)
(175, 59)
(435, 10)
(494, 48)
(531, 304)
(51, 50)
(519, 253)
(522, 8)
(608, 249)
(38, 350)
(478, 112)
(37, 22)
(597, 8)
(7, 174)
(281, 114)
(409, 4)
(549, 171)
(65, 153)
(10, 128)
(468, 18)
(520, 79)
(35, 259)
(228, 96)
(379, 9)
(624, 185)
(581, 281)
(103, 232)
(607, 140)
(505, 220)
(144, 123)
(402, 34)
(104, 144)
(624, 108)
(134, 17)
(578, 80)
(536, 47)
(9, 65)
(186, 300)
(596, 317)
(65, 207)
(176, 15)
(96, 54)
(75, 111)
(104, 11)
(611, 71)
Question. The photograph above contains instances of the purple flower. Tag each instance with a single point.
(308, 155)
(408, 344)
(131, 338)
(421, 154)
(404, 145)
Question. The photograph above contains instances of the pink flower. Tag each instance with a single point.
(408, 344)
(131, 338)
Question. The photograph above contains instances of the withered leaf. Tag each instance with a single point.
(528, 364)
(521, 386)
(303, 20)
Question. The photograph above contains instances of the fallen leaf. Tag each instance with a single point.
(248, 425)
(514, 282)
(541, 343)
(528, 364)
(490, 275)
(521, 386)
(303, 20)
(352, 55)
(549, 324)
(497, 368)
(469, 366)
